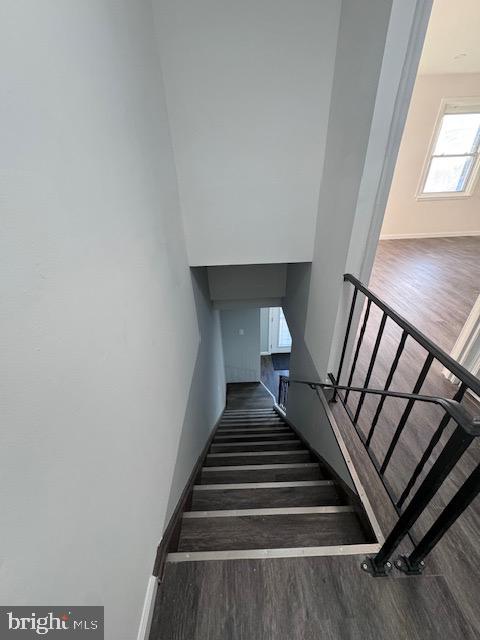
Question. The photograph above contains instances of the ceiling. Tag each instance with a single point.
(248, 88)
(452, 43)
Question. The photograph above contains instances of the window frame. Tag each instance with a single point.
(450, 106)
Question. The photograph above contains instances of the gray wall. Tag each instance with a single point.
(206, 396)
(111, 357)
(264, 326)
(241, 351)
(304, 408)
(247, 282)
(352, 189)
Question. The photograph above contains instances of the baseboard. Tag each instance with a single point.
(429, 234)
(169, 541)
(148, 607)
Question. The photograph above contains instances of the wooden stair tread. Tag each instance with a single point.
(279, 531)
(255, 457)
(222, 438)
(262, 445)
(261, 488)
(250, 498)
(261, 474)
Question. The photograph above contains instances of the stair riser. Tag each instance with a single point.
(219, 439)
(253, 419)
(251, 427)
(234, 430)
(253, 423)
(261, 475)
(274, 446)
(217, 461)
(262, 498)
(254, 532)
(258, 410)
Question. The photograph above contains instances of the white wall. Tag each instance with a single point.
(248, 90)
(361, 43)
(102, 331)
(406, 216)
(241, 344)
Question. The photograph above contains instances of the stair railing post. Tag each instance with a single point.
(345, 341)
(414, 563)
(457, 444)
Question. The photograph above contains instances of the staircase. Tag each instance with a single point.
(263, 493)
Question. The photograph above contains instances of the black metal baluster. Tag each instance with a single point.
(457, 505)
(359, 344)
(361, 400)
(451, 454)
(406, 413)
(388, 382)
(347, 334)
(431, 446)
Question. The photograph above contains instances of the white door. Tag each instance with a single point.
(279, 338)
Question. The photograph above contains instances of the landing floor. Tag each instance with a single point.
(248, 395)
(302, 599)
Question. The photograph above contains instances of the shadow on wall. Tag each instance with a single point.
(304, 408)
(206, 397)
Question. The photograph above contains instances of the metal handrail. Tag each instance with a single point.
(439, 354)
(453, 408)
(466, 430)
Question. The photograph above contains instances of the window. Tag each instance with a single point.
(284, 338)
(279, 339)
(452, 163)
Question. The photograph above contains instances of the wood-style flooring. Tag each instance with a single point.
(251, 395)
(433, 283)
(303, 599)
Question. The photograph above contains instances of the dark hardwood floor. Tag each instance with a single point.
(303, 599)
(251, 395)
(433, 282)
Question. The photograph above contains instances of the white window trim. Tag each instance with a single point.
(274, 319)
(446, 105)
